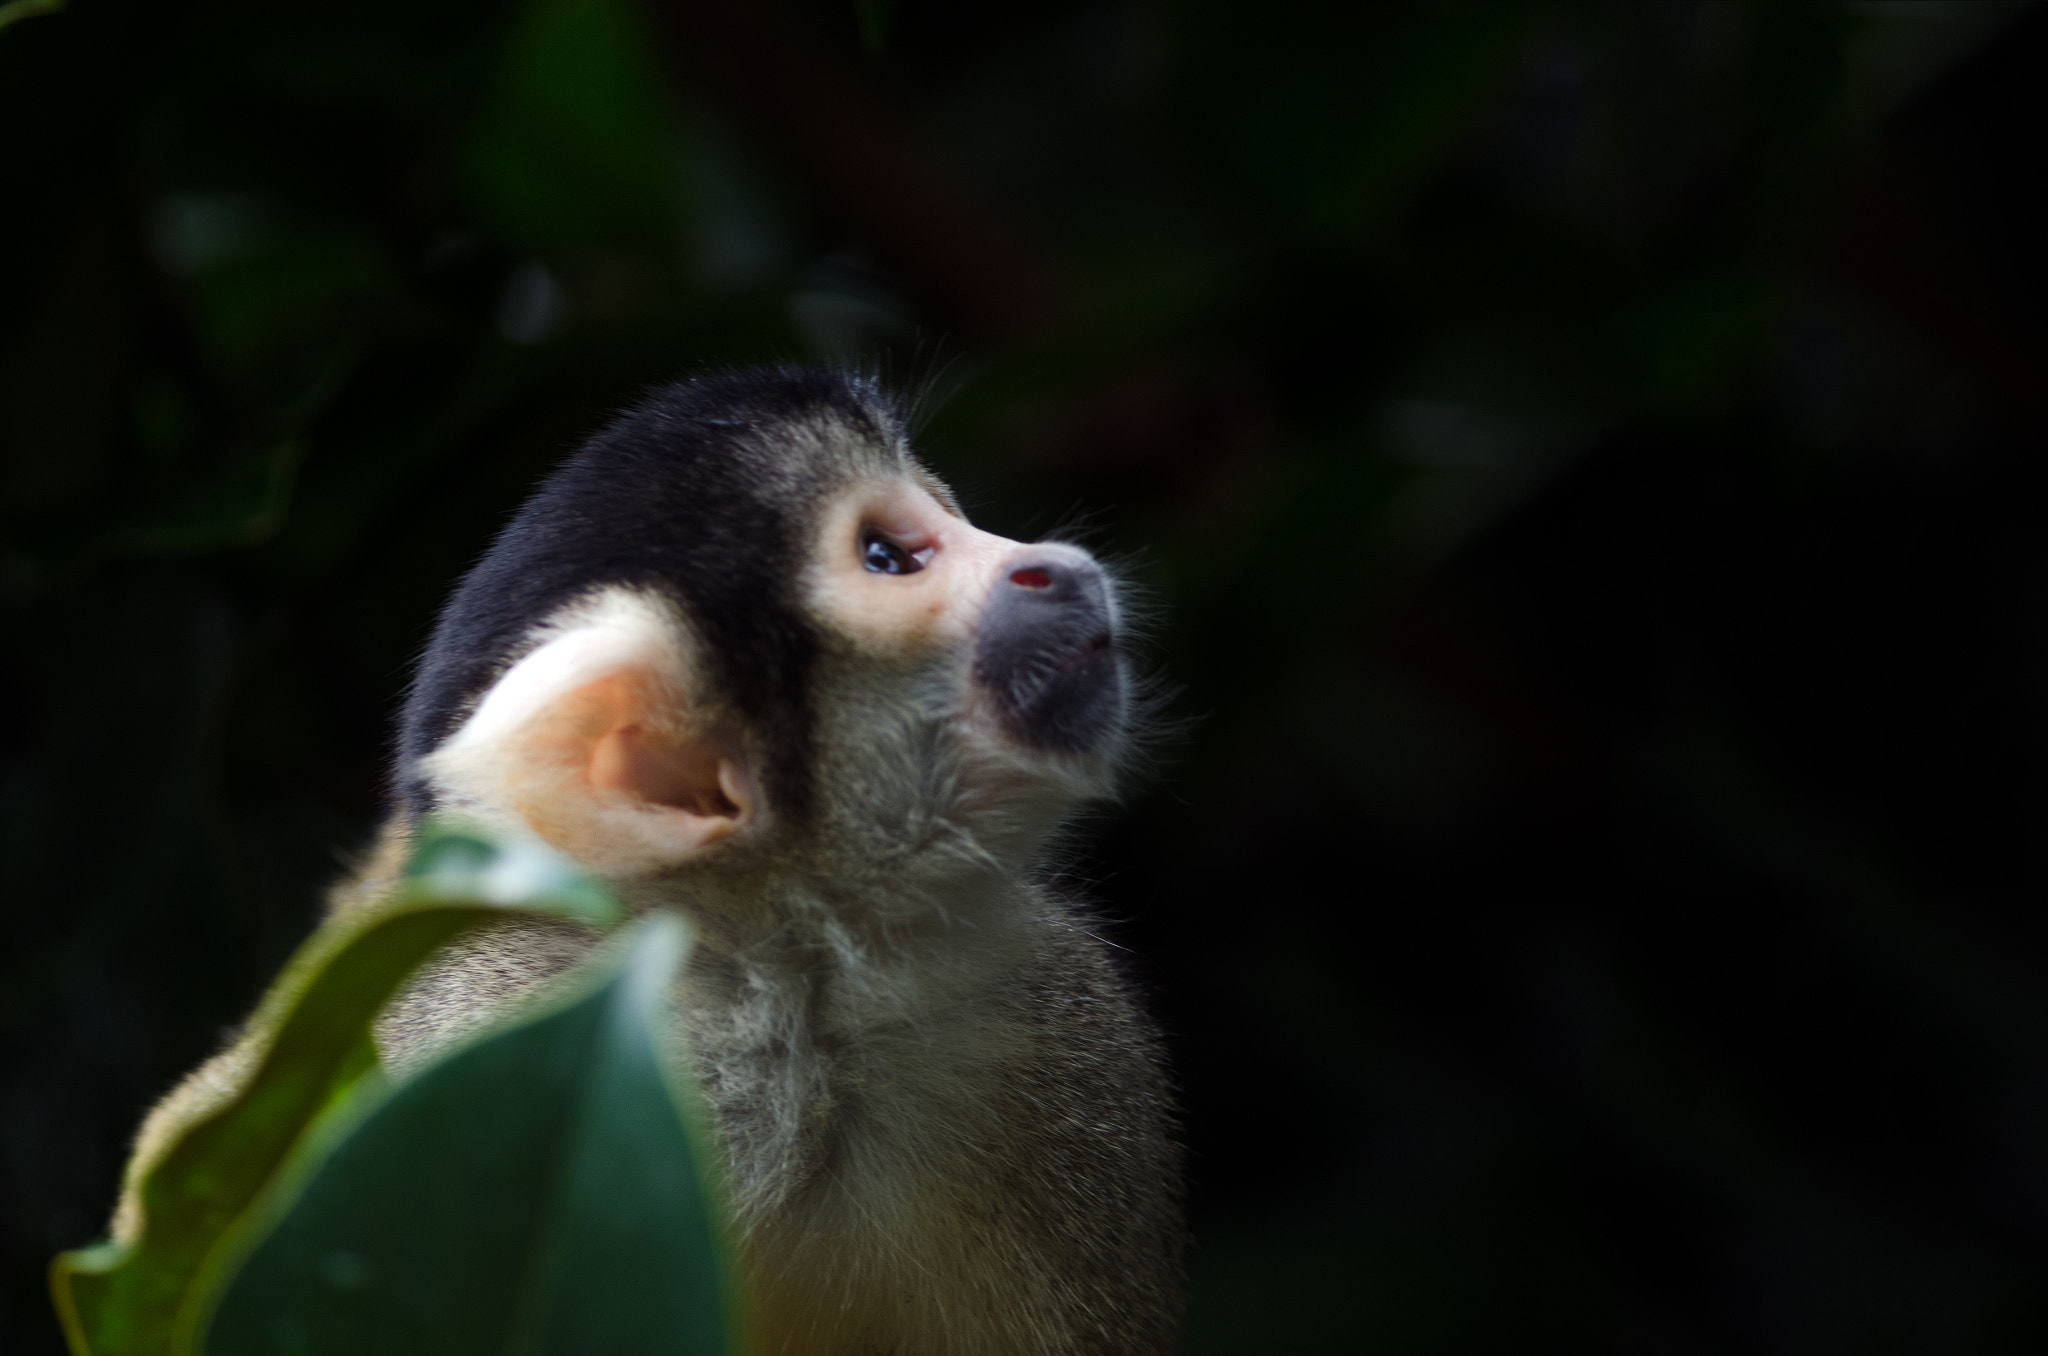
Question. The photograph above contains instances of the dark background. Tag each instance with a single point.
(1590, 462)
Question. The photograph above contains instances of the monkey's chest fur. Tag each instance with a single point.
(953, 1140)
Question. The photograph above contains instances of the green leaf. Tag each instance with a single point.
(874, 16)
(1341, 120)
(535, 1193)
(14, 11)
(569, 147)
(145, 1297)
(242, 507)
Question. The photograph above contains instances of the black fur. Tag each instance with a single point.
(696, 492)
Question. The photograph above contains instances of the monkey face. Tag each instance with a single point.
(973, 687)
(743, 624)
(1031, 630)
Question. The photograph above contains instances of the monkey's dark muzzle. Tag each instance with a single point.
(1047, 651)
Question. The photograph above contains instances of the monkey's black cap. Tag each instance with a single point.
(704, 492)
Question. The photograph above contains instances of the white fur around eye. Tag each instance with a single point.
(930, 605)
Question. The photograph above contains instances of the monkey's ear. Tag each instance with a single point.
(590, 742)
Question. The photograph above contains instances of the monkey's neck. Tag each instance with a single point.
(848, 1013)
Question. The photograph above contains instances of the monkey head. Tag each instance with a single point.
(743, 631)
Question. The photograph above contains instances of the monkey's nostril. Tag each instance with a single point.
(1031, 579)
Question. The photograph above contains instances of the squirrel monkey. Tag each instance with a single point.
(742, 656)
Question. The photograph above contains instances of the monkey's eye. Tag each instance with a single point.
(883, 556)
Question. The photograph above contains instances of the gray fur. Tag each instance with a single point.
(944, 1118)
(979, 1166)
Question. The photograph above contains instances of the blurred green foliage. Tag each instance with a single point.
(538, 1191)
(1585, 455)
(479, 1203)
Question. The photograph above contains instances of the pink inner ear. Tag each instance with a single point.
(604, 725)
(660, 772)
(1031, 579)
